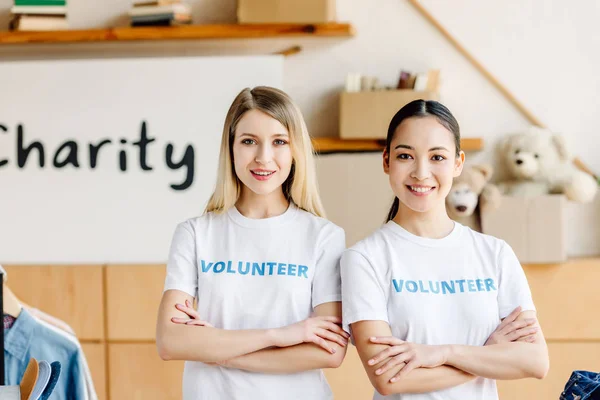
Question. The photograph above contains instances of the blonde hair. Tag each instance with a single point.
(301, 185)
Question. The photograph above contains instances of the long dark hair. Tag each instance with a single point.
(420, 109)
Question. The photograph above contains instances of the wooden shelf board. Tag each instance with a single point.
(191, 32)
(336, 145)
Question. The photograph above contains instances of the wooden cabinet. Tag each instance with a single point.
(124, 362)
(133, 296)
(95, 354)
(138, 373)
(71, 293)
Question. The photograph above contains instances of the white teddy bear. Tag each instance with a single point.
(538, 163)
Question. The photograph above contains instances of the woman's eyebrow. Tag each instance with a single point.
(405, 146)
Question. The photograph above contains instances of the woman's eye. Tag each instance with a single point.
(248, 141)
(438, 158)
(279, 142)
(404, 156)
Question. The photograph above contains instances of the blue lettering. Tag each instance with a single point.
(229, 270)
(280, 269)
(479, 283)
(244, 267)
(292, 269)
(489, 284)
(451, 287)
(302, 270)
(222, 264)
(241, 269)
(447, 288)
(258, 268)
(471, 284)
(205, 267)
(398, 285)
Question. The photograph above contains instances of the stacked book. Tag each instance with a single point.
(39, 15)
(160, 13)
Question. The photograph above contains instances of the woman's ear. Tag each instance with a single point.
(386, 161)
(459, 163)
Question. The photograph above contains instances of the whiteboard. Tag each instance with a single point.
(112, 204)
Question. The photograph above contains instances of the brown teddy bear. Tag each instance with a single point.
(471, 194)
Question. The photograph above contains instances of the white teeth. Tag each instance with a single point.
(420, 189)
(262, 173)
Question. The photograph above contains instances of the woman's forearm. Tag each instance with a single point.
(209, 345)
(513, 360)
(420, 380)
(287, 360)
(297, 358)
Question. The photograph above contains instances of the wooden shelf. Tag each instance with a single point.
(189, 32)
(336, 145)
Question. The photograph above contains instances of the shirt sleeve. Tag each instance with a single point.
(513, 288)
(363, 295)
(182, 270)
(76, 388)
(326, 285)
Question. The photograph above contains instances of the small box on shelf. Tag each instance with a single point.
(535, 227)
(367, 114)
(286, 11)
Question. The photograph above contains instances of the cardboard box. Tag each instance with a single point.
(285, 11)
(367, 115)
(534, 227)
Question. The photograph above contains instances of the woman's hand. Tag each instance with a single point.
(407, 355)
(317, 330)
(511, 330)
(194, 317)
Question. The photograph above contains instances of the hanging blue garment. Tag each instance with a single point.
(28, 338)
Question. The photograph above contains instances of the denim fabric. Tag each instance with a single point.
(582, 385)
(29, 338)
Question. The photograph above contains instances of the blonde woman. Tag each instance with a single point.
(262, 263)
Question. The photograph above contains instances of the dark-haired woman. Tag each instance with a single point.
(436, 310)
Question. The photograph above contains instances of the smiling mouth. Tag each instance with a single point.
(262, 175)
(420, 189)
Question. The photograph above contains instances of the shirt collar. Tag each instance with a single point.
(18, 338)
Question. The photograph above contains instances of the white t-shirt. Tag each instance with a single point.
(255, 274)
(452, 290)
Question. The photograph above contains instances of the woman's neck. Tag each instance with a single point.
(255, 206)
(433, 224)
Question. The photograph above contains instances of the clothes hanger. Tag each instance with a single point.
(12, 306)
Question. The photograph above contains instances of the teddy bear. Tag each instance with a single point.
(472, 194)
(537, 162)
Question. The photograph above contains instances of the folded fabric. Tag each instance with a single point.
(42, 380)
(582, 385)
(55, 366)
(29, 379)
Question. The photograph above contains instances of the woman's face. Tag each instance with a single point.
(261, 152)
(421, 163)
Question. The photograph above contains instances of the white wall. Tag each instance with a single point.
(113, 211)
(544, 51)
